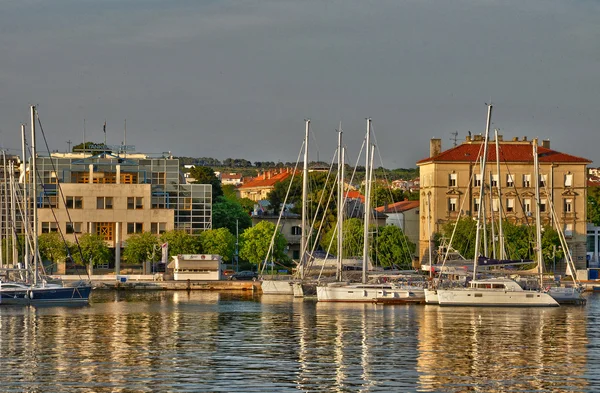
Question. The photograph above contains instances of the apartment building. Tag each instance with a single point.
(115, 195)
(451, 180)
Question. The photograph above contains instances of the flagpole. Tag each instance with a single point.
(104, 133)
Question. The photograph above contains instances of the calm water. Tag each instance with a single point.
(224, 342)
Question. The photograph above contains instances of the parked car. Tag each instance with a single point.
(244, 275)
(228, 272)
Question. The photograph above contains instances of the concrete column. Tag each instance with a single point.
(118, 179)
(91, 179)
(117, 248)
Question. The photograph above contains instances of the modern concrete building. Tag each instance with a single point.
(450, 184)
(116, 195)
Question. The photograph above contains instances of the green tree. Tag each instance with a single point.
(353, 239)
(52, 247)
(206, 175)
(93, 249)
(140, 247)
(593, 205)
(181, 242)
(551, 247)
(225, 212)
(255, 243)
(88, 146)
(218, 241)
(392, 248)
(464, 236)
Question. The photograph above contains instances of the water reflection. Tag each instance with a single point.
(220, 342)
(490, 349)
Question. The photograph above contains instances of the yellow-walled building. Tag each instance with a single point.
(451, 179)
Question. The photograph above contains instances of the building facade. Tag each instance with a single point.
(451, 181)
(116, 196)
(404, 215)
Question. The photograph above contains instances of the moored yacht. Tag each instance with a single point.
(501, 291)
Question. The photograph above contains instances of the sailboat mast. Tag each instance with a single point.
(500, 229)
(367, 202)
(34, 196)
(6, 211)
(538, 224)
(13, 213)
(303, 240)
(340, 204)
(481, 191)
(25, 201)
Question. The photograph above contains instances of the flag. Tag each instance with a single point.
(105, 126)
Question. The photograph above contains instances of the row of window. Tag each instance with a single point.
(49, 177)
(133, 203)
(509, 207)
(510, 180)
(106, 229)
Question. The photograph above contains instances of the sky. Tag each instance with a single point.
(236, 79)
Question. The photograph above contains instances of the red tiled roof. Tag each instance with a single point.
(261, 181)
(469, 152)
(398, 207)
(355, 195)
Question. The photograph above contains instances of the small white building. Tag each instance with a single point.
(197, 267)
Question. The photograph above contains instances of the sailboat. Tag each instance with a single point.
(495, 291)
(364, 292)
(37, 290)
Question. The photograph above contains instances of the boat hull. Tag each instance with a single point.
(431, 296)
(46, 295)
(494, 298)
(277, 287)
(370, 294)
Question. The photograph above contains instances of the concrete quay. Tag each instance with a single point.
(151, 282)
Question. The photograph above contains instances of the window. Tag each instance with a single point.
(158, 228)
(452, 203)
(48, 227)
(543, 180)
(187, 203)
(510, 181)
(475, 205)
(452, 180)
(74, 227)
(526, 181)
(543, 204)
(105, 230)
(49, 177)
(158, 177)
(49, 201)
(527, 206)
(568, 205)
(74, 202)
(477, 181)
(135, 203)
(135, 227)
(495, 204)
(158, 202)
(296, 230)
(104, 203)
(568, 180)
(494, 181)
(510, 205)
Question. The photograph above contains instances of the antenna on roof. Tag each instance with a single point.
(455, 137)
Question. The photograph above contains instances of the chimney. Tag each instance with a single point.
(515, 139)
(500, 138)
(268, 174)
(468, 138)
(546, 143)
(435, 147)
(524, 139)
(264, 175)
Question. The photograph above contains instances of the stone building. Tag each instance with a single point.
(451, 179)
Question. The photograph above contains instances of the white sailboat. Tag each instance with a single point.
(364, 292)
(500, 291)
